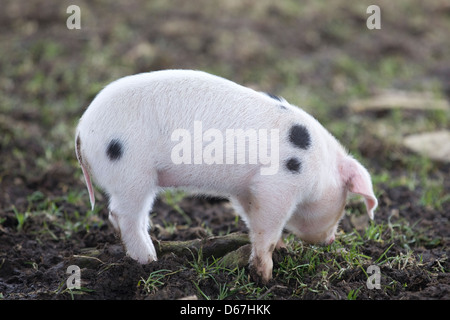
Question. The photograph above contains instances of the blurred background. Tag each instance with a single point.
(319, 55)
(370, 88)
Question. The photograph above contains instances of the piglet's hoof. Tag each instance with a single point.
(260, 270)
(142, 258)
(257, 276)
(142, 253)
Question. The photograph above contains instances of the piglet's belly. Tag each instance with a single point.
(208, 178)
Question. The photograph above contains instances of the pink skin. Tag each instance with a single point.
(331, 240)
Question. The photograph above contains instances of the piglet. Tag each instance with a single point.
(280, 168)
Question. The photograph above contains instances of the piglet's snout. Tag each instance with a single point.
(330, 240)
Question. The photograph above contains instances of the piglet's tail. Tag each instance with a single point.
(84, 167)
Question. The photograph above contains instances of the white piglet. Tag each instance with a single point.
(280, 167)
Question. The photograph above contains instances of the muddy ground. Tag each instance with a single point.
(44, 221)
(34, 266)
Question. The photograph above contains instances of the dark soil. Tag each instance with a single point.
(33, 266)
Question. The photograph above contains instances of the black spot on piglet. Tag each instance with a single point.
(294, 165)
(277, 98)
(300, 137)
(114, 150)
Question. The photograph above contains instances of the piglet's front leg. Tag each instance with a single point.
(267, 218)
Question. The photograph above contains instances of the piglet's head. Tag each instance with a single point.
(317, 221)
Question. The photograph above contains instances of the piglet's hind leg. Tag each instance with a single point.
(130, 215)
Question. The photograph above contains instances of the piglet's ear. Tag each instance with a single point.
(358, 181)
